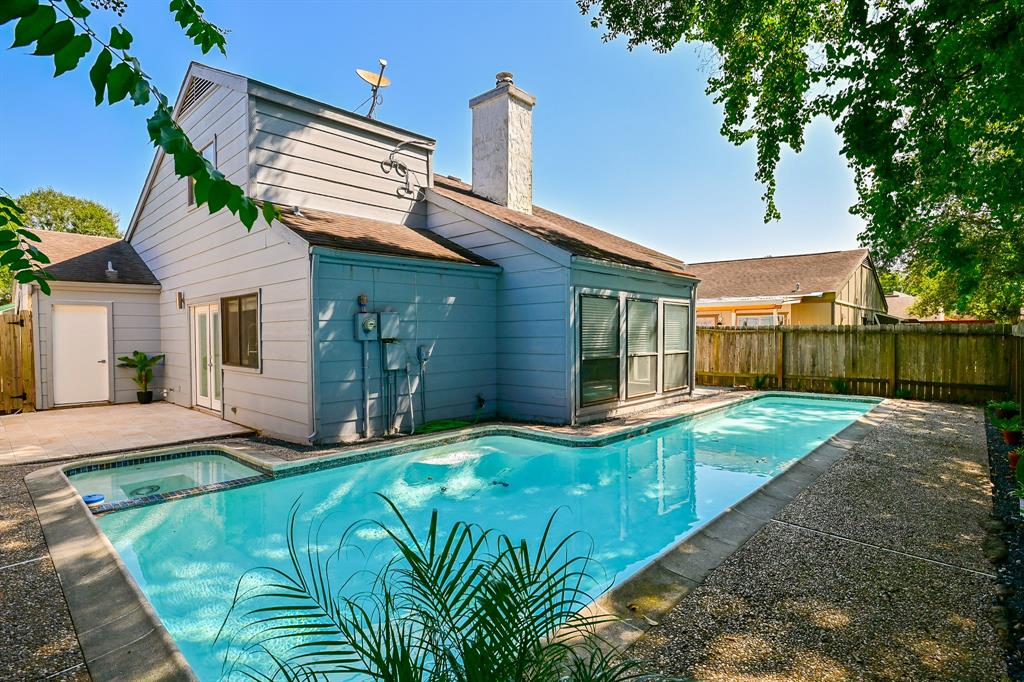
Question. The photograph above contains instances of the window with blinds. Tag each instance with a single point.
(676, 340)
(240, 336)
(599, 345)
(641, 348)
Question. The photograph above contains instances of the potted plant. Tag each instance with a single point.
(143, 366)
(1004, 409)
(1011, 428)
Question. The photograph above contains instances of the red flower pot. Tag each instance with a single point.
(1011, 437)
(1013, 457)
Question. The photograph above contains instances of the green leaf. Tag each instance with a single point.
(220, 192)
(120, 38)
(28, 234)
(99, 72)
(140, 93)
(15, 9)
(43, 286)
(270, 212)
(26, 276)
(68, 57)
(248, 212)
(32, 27)
(119, 82)
(187, 162)
(77, 9)
(12, 256)
(201, 189)
(172, 139)
(56, 38)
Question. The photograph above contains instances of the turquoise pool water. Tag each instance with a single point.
(149, 478)
(631, 500)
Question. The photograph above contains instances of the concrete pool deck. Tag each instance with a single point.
(670, 583)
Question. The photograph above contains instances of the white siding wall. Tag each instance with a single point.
(320, 163)
(135, 326)
(532, 326)
(209, 256)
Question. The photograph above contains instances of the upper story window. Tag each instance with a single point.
(240, 331)
(209, 152)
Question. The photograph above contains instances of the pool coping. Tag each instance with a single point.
(122, 637)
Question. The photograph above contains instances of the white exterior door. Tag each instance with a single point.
(81, 354)
(206, 375)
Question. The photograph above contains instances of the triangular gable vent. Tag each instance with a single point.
(197, 89)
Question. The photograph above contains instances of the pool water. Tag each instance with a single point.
(152, 478)
(631, 500)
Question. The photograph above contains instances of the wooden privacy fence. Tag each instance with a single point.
(17, 371)
(948, 362)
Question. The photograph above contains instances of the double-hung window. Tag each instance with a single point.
(599, 343)
(641, 348)
(676, 343)
(240, 335)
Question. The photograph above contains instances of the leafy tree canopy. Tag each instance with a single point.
(48, 209)
(926, 96)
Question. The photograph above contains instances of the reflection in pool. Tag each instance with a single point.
(631, 500)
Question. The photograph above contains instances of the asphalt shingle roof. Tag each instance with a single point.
(83, 258)
(352, 233)
(777, 275)
(573, 236)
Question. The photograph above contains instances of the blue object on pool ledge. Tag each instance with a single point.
(92, 499)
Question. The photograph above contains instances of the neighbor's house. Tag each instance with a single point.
(838, 287)
(478, 302)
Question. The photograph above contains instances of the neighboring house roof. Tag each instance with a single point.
(350, 233)
(777, 275)
(83, 258)
(572, 236)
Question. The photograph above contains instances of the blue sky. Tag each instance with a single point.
(626, 141)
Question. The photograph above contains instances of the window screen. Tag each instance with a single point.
(599, 346)
(677, 346)
(240, 330)
(641, 348)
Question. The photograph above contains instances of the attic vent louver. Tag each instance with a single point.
(197, 89)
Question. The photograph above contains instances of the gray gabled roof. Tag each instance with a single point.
(83, 258)
(797, 274)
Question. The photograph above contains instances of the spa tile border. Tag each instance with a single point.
(122, 637)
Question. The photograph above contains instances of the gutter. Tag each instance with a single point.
(314, 393)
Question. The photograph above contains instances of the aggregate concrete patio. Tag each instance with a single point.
(874, 572)
(53, 435)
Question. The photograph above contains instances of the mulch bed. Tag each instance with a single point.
(1006, 549)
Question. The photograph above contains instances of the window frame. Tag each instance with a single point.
(190, 197)
(777, 319)
(656, 353)
(618, 356)
(225, 358)
(690, 331)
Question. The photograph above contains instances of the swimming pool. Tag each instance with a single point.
(632, 499)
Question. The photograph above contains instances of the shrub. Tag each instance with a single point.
(840, 385)
(1003, 406)
(1012, 424)
(465, 604)
(761, 381)
(903, 393)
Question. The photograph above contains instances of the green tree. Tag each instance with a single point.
(60, 30)
(926, 96)
(48, 209)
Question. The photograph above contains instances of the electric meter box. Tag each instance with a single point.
(394, 356)
(388, 325)
(366, 326)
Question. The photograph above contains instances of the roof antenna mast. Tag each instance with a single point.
(376, 81)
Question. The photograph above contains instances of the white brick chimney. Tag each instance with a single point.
(503, 145)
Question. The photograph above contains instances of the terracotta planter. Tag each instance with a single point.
(1011, 437)
(1013, 458)
(146, 397)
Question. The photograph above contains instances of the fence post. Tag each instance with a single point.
(893, 364)
(780, 358)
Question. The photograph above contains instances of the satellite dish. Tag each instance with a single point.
(376, 81)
